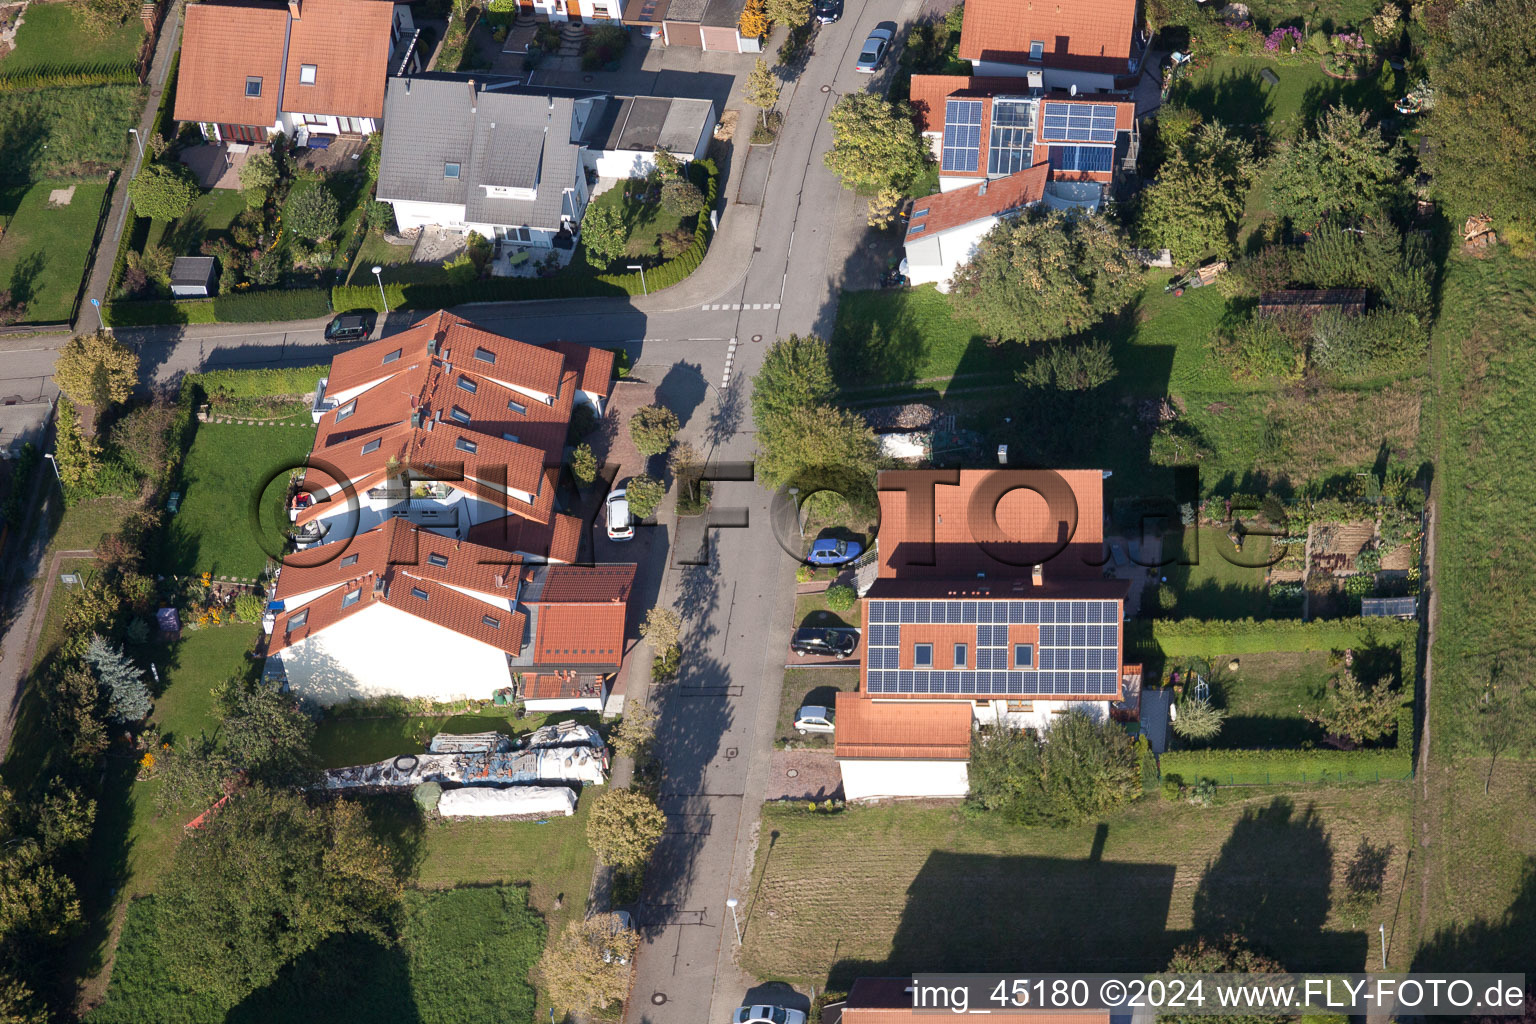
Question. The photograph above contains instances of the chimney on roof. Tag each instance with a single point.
(293, 9)
(1037, 575)
(473, 97)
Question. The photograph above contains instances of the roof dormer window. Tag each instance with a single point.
(1036, 50)
(458, 415)
(253, 86)
(450, 170)
(306, 74)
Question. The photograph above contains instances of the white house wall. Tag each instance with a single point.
(328, 124)
(545, 707)
(955, 248)
(1052, 78)
(1041, 715)
(621, 163)
(411, 214)
(871, 779)
(382, 651)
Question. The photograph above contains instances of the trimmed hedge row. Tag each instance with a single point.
(68, 76)
(520, 289)
(1197, 637)
(261, 383)
(1261, 767)
(234, 308)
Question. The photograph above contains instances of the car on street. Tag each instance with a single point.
(832, 551)
(348, 327)
(621, 525)
(814, 718)
(767, 1015)
(826, 643)
(622, 922)
(828, 11)
(875, 48)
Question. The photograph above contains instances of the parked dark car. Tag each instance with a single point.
(349, 327)
(828, 11)
(826, 643)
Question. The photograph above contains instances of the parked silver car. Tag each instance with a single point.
(814, 718)
(875, 48)
(767, 1015)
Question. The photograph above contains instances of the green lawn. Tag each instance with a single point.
(812, 610)
(894, 336)
(214, 531)
(81, 132)
(1230, 90)
(1331, 15)
(463, 956)
(1267, 695)
(887, 890)
(55, 35)
(1224, 583)
(644, 223)
(341, 741)
(375, 252)
(811, 686)
(44, 250)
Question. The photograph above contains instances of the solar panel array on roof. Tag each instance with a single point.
(962, 135)
(1077, 122)
(1078, 655)
(1012, 144)
(1082, 158)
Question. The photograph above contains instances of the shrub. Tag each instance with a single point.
(665, 665)
(258, 177)
(313, 213)
(624, 826)
(682, 197)
(381, 216)
(584, 465)
(603, 235)
(652, 427)
(249, 607)
(644, 494)
(163, 191)
(804, 574)
(841, 598)
(1198, 719)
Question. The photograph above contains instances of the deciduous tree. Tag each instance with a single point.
(1198, 198)
(652, 427)
(1356, 713)
(662, 628)
(624, 827)
(1071, 367)
(796, 374)
(587, 967)
(96, 369)
(875, 144)
(789, 13)
(644, 493)
(1343, 168)
(818, 439)
(753, 22)
(162, 191)
(1046, 276)
(636, 729)
(313, 213)
(603, 235)
(258, 177)
(762, 88)
(1079, 769)
(266, 734)
(1227, 955)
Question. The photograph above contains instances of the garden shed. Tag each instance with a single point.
(192, 276)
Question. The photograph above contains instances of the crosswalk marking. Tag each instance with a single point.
(730, 307)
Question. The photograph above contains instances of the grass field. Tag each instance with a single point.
(44, 249)
(214, 531)
(1224, 583)
(888, 890)
(80, 133)
(644, 223)
(463, 956)
(893, 336)
(55, 35)
(1266, 696)
(812, 610)
(376, 252)
(1230, 90)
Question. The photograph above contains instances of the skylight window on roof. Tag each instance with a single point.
(346, 410)
(418, 592)
(393, 356)
(1036, 49)
(1011, 148)
(253, 86)
(918, 229)
(373, 446)
(458, 415)
(920, 213)
(517, 407)
(441, 561)
(347, 560)
(450, 170)
(464, 444)
(465, 384)
(491, 620)
(351, 598)
(298, 619)
(962, 135)
(306, 74)
(485, 355)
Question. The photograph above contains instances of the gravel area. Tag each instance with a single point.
(816, 776)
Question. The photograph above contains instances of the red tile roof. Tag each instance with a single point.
(1088, 35)
(348, 43)
(882, 730)
(594, 364)
(1067, 535)
(558, 540)
(994, 198)
(606, 584)
(563, 685)
(889, 1001)
(585, 635)
(226, 41)
(928, 93)
(222, 44)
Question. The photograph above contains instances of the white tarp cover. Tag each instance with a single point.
(520, 801)
(559, 764)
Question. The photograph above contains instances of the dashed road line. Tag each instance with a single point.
(736, 306)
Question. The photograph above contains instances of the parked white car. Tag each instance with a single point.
(621, 525)
(814, 718)
(767, 1015)
(622, 922)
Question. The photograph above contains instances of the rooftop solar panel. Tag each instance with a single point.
(1077, 122)
(962, 135)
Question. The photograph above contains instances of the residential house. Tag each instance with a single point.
(402, 611)
(944, 229)
(313, 69)
(988, 597)
(705, 24)
(580, 11)
(458, 430)
(984, 128)
(1094, 45)
(893, 1001)
(516, 164)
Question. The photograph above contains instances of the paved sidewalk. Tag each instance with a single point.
(117, 217)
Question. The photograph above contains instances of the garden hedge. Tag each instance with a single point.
(234, 308)
(1198, 638)
(67, 76)
(520, 289)
(262, 383)
(1275, 767)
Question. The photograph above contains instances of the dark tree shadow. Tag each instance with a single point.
(345, 978)
(1506, 943)
(1237, 98)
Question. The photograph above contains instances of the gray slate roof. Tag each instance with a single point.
(511, 138)
(641, 123)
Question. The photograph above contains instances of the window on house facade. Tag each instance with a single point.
(351, 598)
(318, 120)
(306, 74)
(922, 655)
(253, 86)
(1023, 656)
(450, 170)
(1021, 706)
(373, 446)
(960, 656)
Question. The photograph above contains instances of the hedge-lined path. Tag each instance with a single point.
(117, 217)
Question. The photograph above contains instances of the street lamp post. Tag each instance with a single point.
(635, 266)
(378, 273)
(140, 140)
(732, 904)
(54, 463)
(794, 497)
(102, 323)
